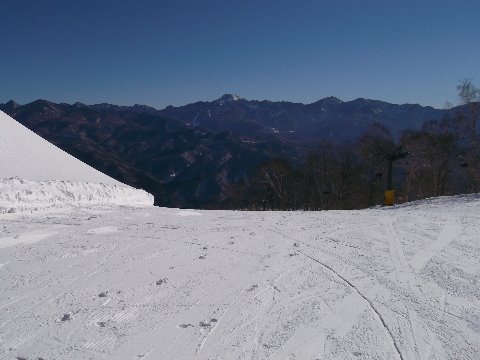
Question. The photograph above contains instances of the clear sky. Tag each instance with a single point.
(161, 52)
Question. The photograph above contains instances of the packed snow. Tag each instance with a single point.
(26, 195)
(153, 283)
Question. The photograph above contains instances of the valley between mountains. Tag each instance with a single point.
(197, 155)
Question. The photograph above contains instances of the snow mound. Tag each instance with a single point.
(55, 178)
(17, 195)
(29, 156)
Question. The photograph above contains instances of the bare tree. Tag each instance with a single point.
(281, 184)
(469, 95)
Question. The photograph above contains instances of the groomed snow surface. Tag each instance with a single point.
(153, 283)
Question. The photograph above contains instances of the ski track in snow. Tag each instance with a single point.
(156, 283)
(364, 298)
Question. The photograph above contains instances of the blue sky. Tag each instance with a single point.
(180, 51)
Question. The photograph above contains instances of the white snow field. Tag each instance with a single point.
(36, 174)
(153, 283)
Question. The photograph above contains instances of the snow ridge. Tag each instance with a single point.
(18, 194)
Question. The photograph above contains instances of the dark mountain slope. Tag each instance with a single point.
(182, 166)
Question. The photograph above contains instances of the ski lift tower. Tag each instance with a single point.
(389, 198)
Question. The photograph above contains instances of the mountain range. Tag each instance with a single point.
(327, 119)
(192, 155)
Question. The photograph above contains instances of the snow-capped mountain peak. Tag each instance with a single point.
(229, 98)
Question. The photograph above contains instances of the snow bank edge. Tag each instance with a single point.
(18, 194)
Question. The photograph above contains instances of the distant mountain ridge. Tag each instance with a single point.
(192, 155)
(326, 119)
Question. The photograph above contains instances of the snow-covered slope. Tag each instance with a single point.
(51, 177)
(152, 283)
(26, 155)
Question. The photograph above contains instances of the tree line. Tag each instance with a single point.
(443, 158)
